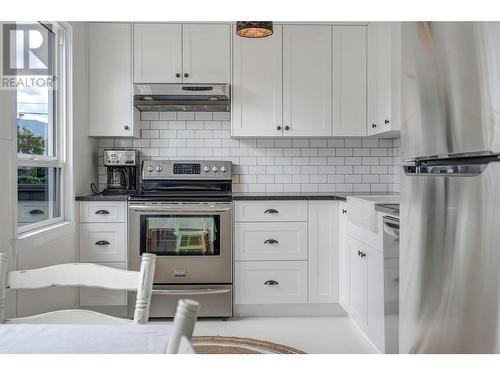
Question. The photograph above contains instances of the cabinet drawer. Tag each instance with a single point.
(103, 297)
(99, 212)
(271, 282)
(103, 242)
(271, 241)
(271, 211)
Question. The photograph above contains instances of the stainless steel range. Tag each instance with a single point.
(184, 216)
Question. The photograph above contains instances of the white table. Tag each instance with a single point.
(84, 339)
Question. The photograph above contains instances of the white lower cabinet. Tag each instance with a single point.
(103, 240)
(270, 241)
(286, 256)
(343, 257)
(271, 282)
(323, 252)
(366, 290)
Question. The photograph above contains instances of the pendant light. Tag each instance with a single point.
(254, 29)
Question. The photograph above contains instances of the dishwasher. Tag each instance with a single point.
(391, 283)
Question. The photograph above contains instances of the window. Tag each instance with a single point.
(41, 124)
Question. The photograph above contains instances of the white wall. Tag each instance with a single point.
(62, 246)
(272, 165)
(7, 171)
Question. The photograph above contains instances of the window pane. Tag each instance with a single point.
(38, 192)
(35, 53)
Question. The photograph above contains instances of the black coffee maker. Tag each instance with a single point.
(121, 170)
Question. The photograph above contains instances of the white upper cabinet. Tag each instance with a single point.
(175, 53)
(384, 70)
(307, 80)
(257, 85)
(349, 81)
(111, 102)
(206, 53)
(157, 53)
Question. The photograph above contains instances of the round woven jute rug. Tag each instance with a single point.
(239, 345)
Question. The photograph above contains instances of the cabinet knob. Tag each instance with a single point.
(126, 127)
(271, 211)
(344, 211)
(363, 255)
(177, 75)
(359, 253)
(374, 126)
(271, 282)
(386, 122)
(287, 127)
(278, 127)
(186, 75)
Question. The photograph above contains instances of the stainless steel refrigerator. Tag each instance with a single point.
(450, 188)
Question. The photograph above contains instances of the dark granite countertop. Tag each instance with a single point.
(101, 197)
(341, 196)
(388, 208)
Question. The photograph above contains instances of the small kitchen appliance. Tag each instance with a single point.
(121, 171)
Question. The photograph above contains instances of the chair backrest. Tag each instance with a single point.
(182, 330)
(81, 275)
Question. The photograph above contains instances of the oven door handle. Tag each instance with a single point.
(177, 209)
(177, 292)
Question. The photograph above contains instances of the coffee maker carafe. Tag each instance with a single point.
(121, 171)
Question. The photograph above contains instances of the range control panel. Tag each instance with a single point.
(192, 170)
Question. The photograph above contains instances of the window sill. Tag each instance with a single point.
(47, 233)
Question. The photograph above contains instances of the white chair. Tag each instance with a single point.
(81, 275)
(182, 331)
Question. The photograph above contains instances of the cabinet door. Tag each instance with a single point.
(157, 53)
(110, 49)
(206, 51)
(323, 252)
(375, 297)
(257, 85)
(343, 257)
(357, 282)
(349, 80)
(307, 80)
(379, 77)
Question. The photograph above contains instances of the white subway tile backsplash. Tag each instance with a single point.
(267, 164)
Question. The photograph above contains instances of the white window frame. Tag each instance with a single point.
(62, 134)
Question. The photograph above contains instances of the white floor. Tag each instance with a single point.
(314, 335)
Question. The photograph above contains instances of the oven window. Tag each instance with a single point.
(180, 235)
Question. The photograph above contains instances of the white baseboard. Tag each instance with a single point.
(290, 309)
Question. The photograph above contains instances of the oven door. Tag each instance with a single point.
(192, 241)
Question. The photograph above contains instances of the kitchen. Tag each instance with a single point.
(262, 163)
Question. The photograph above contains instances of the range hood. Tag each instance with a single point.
(176, 97)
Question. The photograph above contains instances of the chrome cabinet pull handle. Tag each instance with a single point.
(271, 282)
(271, 211)
(270, 241)
(102, 212)
(36, 212)
(102, 243)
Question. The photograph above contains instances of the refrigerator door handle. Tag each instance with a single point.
(458, 166)
(445, 170)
